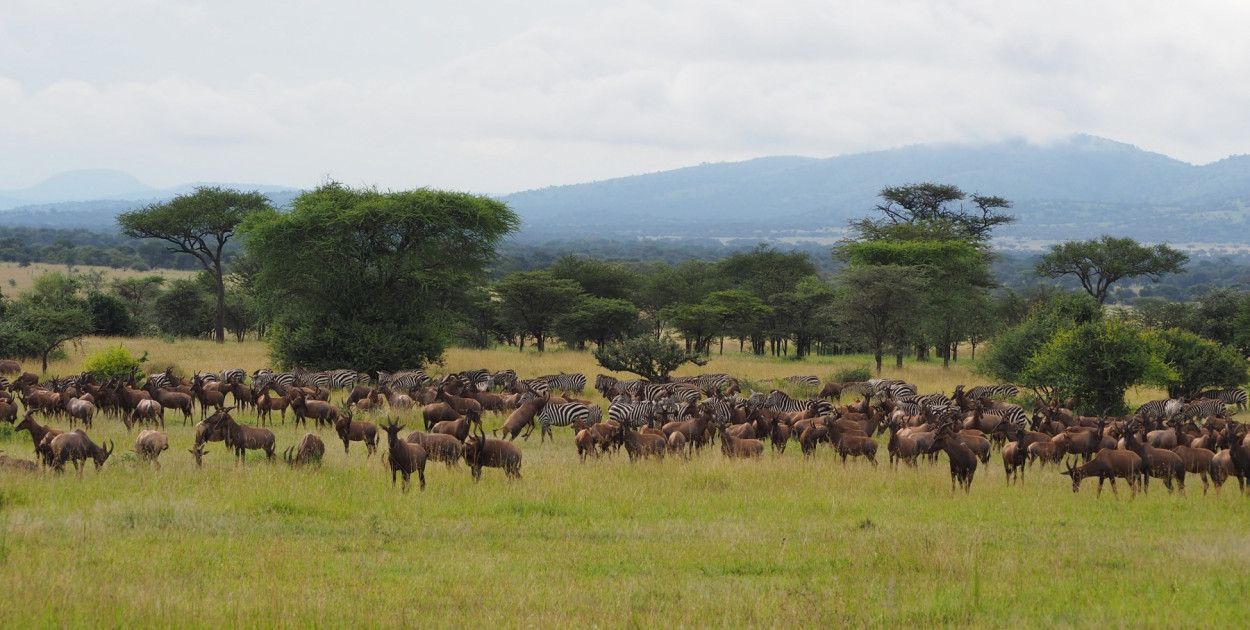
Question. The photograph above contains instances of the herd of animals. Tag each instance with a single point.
(1164, 439)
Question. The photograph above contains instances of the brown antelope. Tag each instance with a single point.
(76, 447)
(1108, 464)
(37, 433)
(480, 451)
(309, 451)
(169, 400)
(357, 431)
(242, 438)
(149, 446)
(735, 448)
(963, 463)
(438, 446)
(403, 457)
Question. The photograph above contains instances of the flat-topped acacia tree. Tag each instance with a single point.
(199, 224)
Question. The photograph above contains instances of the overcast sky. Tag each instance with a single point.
(503, 96)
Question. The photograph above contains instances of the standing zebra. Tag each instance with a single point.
(262, 377)
(1164, 409)
(1227, 396)
(342, 379)
(478, 380)
(805, 380)
(561, 416)
(404, 380)
(633, 414)
(503, 379)
(994, 391)
(236, 374)
(310, 378)
(575, 383)
(1203, 408)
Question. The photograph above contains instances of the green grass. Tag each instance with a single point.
(780, 542)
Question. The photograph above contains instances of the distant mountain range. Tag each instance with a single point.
(1077, 188)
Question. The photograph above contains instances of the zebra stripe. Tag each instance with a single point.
(780, 401)
(575, 383)
(603, 383)
(503, 379)
(714, 381)
(1165, 409)
(562, 416)
(1204, 407)
(994, 391)
(1227, 396)
(229, 374)
(635, 414)
(310, 378)
(404, 380)
(477, 379)
(262, 378)
(806, 380)
(342, 379)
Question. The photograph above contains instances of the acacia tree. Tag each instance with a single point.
(648, 357)
(44, 317)
(1099, 263)
(533, 301)
(199, 224)
(881, 303)
(366, 279)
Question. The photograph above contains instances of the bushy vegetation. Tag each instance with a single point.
(115, 361)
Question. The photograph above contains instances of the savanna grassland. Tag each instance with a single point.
(780, 542)
(15, 278)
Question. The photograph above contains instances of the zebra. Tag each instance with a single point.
(720, 381)
(575, 383)
(1227, 396)
(342, 379)
(633, 414)
(503, 379)
(780, 401)
(937, 403)
(263, 377)
(477, 379)
(805, 380)
(561, 416)
(994, 391)
(603, 383)
(404, 380)
(310, 378)
(1204, 407)
(1164, 409)
(229, 374)
(685, 394)
(160, 379)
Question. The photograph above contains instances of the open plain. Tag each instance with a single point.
(779, 542)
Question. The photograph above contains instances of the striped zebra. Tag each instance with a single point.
(236, 374)
(685, 394)
(404, 380)
(263, 377)
(780, 401)
(342, 379)
(161, 380)
(575, 383)
(805, 380)
(536, 385)
(937, 403)
(1227, 396)
(1164, 409)
(561, 416)
(719, 381)
(1203, 408)
(503, 379)
(477, 379)
(994, 391)
(603, 383)
(310, 378)
(633, 414)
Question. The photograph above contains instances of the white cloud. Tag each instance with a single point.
(481, 97)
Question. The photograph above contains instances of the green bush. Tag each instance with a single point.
(115, 361)
(853, 374)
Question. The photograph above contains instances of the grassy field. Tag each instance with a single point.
(14, 279)
(781, 542)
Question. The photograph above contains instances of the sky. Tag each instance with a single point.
(498, 96)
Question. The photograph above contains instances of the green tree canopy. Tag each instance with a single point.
(933, 211)
(880, 303)
(1100, 263)
(597, 278)
(365, 279)
(44, 317)
(530, 303)
(1096, 363)
(199, 224)
(648, 357)
(598, 320)
(1198, 363)
(1008, 355)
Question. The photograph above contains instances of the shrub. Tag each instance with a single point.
(853, 374)
(114, 361)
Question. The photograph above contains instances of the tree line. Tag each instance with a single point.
(387, 280)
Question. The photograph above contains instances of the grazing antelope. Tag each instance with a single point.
(76, 447)
(149, 446)
(1108, 464)
(309, 451)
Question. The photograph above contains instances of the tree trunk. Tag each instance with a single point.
(898, 360)
(221, 304)
(878, 357)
